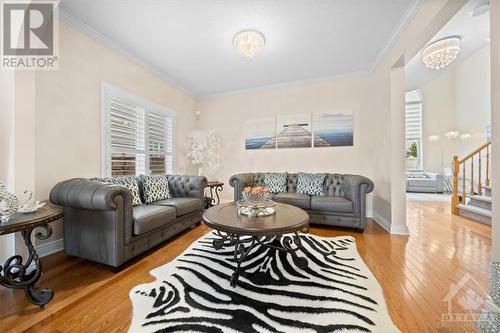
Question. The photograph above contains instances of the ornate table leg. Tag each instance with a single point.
(241, 251)
(14, 274)
(215, 202)
(291, 244)
(301, 262)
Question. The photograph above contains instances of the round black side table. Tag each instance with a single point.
(213, 189)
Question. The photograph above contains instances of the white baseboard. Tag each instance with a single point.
(400, 230)
(392, 229)
(50, 247)
(386, 225)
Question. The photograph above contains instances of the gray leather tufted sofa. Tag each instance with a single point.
(344, 203)
(100, 223)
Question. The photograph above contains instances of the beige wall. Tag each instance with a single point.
(369, 98)
(227, 115)
(473, 98)
(438, 117)
(67, 131)
(68, 110)
(7, 107)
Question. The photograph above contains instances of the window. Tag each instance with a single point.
(137, 135)
(413, 123)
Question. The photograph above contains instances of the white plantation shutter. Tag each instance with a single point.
(138, 135)
(127, 128)
(413, 114)
(413, 122)
(160, 143)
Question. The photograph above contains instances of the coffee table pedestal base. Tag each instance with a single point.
(243, 245)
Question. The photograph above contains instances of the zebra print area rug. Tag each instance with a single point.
(335, 293)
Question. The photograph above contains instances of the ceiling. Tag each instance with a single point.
(190, 42)
(473, 32)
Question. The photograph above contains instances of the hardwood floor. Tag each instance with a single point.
(415, 273)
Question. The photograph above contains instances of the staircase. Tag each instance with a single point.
(475, 202)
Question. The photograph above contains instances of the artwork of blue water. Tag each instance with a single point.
(336, 138)
(256, 143)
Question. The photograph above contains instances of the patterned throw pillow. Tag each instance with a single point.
(128, 182)
(155, 188)
(275, 182)
(310, 183)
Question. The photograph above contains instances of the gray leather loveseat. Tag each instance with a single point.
(100, 223)
(343, 204)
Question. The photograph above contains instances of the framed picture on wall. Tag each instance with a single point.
(260, 133)
(333, 129)
(294, 131)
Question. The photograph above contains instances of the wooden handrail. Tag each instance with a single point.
(481, 147)
(458, 164)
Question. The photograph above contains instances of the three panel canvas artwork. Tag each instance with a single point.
(300, 131)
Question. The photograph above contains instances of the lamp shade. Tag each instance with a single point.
(433, 138)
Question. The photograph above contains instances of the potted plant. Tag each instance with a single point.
(412, 156)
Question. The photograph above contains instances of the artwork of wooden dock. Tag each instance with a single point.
(294, 136)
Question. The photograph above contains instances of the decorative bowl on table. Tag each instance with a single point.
(255, 194)
(255, 202)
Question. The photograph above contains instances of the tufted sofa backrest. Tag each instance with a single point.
(332, 186)
(186, 186)
(180, 186)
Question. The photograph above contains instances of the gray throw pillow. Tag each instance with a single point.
(155, 188)
(275, 182)
(130, 183)
(311, 183)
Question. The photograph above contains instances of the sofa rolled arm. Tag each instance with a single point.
(355, 188)
(84, 194)
(239, 182)
(354, 183)
(187, 186)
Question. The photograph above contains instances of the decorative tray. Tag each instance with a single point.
(256, 208)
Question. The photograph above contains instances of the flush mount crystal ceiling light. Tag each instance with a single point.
(441, 53)
(249, 43)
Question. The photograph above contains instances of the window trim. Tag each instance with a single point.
(109, 91)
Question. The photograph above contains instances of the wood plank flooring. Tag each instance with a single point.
(415, 273)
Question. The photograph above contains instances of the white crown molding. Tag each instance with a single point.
(82, 27)
(410, 13)
(330, 78)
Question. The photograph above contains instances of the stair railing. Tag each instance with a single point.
(461, 165)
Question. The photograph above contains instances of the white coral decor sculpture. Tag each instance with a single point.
(204, 150)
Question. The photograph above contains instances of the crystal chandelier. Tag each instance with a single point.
(441, 53)
(249, 43)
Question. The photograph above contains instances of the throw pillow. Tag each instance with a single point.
(275, 182)
(311, 183)
(130, 183)
(155, 188)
